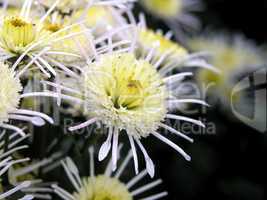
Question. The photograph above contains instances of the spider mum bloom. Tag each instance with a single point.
(148, 39)
(127, 95)
(104, 186)
(175, 12)
(23, 37)
(232, 55)
(9, 92)
(10, 88)
(161, 47)
(69, 49)
(94, 18)
(174, 55)
(17, 33)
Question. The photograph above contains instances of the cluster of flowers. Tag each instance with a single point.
(110, 69)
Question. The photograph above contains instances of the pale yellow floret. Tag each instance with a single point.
(228, 58)
(125, 93)
(102, 188)
(148, 39)
(68, 45)
(10, 88)
(16, 34)
(97, 17)
(164, 8)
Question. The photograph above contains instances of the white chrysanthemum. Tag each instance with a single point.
(160, 46)
(23, 36)
(104, 186)
(232, 55)
(10, 89)
(177, 13)
(125, 93)
(93, 18)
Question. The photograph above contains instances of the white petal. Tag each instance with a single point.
(150, 167)
(105, 147)
(38, 121)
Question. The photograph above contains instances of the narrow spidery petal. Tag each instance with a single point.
(15, 189)
(35, 113)
(170, 143)
(136, 179)
(123, 165)
(177, 77)
(83, 125)
(62, 193)
(92, 163)
(196, 101)
(27, 197)
(185, 119)
(134, 154)
(105, 147)
(115, 149)
(149, 163)
(7, 126)
(156, 196)
(176, 132)
(146, 187)
(70, 175)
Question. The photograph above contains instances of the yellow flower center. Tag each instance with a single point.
(18, 22)
(102, 188)
(164, 8)
(16, 33)
(125, 92)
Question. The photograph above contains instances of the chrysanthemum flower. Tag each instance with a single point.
(232, 55)
(94, 18)
(106, 185)
(177, 13)
(129, 96)
(22, 36)
(10, 88)
(161, 47)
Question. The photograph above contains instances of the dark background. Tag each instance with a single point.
(229, 165)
